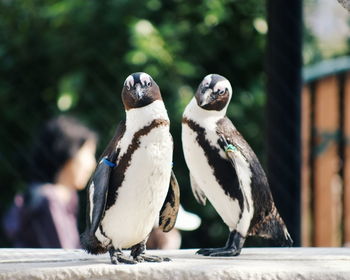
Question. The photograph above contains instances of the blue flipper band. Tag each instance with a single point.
(109, 163)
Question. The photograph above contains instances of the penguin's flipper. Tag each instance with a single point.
(197, 192)
(170, 208)
(98, 187)
(229, 149)
(98, 192)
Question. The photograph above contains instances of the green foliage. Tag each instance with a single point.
(73, 56)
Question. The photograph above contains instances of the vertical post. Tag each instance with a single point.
(306, 192)
(284, 62)
(346, 171)
(327, 188)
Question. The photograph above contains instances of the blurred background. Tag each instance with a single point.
(287, 64)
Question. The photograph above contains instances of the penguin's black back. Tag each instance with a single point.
(261, 193)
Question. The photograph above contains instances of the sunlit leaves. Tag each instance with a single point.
(148, 44)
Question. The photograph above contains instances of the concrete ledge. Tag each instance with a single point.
(254, 263)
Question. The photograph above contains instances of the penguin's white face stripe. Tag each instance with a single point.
(222, 86)
(145, 79)
(129, 82)
(205, 83)
(207, 80)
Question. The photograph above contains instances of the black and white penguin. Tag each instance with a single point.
(224, 169)
(133, 184)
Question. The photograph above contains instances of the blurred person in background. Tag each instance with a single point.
(45, 216)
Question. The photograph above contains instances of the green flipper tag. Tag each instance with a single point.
(230, 148)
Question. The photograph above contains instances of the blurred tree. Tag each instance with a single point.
(73, 56)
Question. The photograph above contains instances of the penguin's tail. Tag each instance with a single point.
(273, 227)
(91, 244)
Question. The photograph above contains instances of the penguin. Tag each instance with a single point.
(133, 185)
(225, 170)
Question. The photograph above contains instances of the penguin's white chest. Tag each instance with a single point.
(143, 191)
(203, 174)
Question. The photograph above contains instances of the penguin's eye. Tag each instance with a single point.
(221, 92)
(127, 87)
(146, 84)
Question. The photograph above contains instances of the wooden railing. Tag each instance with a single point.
(326, 154)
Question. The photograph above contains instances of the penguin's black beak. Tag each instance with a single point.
(138, 92)
(205, 96)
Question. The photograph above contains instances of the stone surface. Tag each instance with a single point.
(253, 263)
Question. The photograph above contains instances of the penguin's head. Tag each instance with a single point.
(214, 93)
(139, 90)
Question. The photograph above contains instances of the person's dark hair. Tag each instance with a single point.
(57, 142)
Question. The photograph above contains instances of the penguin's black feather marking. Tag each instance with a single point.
(118, 174)
(224, 173)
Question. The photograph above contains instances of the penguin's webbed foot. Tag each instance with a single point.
(232, 248)
(151, 258)
(117, 257)
(138, 253)
(219, 252)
